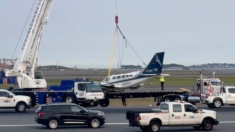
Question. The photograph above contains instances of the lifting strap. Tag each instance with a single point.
(111, 56)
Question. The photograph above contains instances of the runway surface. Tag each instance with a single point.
(115, 121)
(72, 74)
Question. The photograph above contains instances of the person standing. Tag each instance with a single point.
(123, 100)
(162, 80)
(198, 85)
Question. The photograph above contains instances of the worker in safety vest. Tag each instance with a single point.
(162, 81)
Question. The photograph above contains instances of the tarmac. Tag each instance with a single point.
(115, 121)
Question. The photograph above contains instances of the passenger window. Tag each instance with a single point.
(75, 109)
(205, 83)
(4, 94)
(81, 87)
(49, 108)
(114, 77)
(164, 107)
(127, 75)
(231, 90)
(118, 77)
(131, 75)
(177, 108)
(123, 76)
(63, 108)
(224, 90)
(189, 108)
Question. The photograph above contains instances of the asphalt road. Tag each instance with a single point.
(10, 121)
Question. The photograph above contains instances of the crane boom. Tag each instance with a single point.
(24, 67)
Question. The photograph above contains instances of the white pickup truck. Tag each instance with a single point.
(8, 100)
(172, 114)
(226, 96)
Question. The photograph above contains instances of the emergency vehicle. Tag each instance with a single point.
(9, 100)
(225, 96)
(177, 113)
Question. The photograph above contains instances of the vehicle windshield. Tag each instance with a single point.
(38, 75)
(215, 83)
(93, 87)
(11, 93)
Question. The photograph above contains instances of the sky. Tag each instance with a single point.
(80, 32)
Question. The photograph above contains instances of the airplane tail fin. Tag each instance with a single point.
(155, 65)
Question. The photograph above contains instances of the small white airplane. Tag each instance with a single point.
(134, 80)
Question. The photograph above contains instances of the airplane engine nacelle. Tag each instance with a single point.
(137, 87)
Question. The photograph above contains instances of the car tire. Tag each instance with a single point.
(154, 127)
(197, 127)
(20, 107)
(104, 102)
(96, 103)
(69, 99)
(207, 125)
(217, 103)
(144, 129)
(94, 123)
(210, 105)
(52, 123)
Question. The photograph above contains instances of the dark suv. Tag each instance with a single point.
(54, 114)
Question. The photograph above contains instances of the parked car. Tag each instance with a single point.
(54, 114)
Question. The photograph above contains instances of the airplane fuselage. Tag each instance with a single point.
(130, 80)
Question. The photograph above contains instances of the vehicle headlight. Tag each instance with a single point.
(100, 114)
(215, 115)
(28, 99)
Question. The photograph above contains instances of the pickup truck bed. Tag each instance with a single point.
(132, 116)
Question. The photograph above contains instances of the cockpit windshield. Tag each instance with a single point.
(93, 87)
(106, 79)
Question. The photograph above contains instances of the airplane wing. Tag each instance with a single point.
(155, 74)
(165, 74)
(108, 86)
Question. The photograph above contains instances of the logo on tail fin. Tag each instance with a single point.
(158, 61)
(155, 65)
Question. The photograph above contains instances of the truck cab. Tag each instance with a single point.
(9, 100)
(173, 114)
(78, 91)
(210, 86)
(225, 96)
(88, 91)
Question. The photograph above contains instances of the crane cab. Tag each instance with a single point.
(37, 75)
